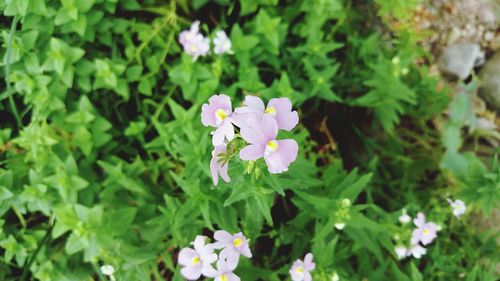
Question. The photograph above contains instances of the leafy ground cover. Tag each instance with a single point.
(106, 163)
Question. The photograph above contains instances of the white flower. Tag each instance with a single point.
(340, 225)
(417, 251)
(222, 44)
(107, 270)
(404, 218)
(458, 207)
(401, 252)
(346, 203)
(335, 277)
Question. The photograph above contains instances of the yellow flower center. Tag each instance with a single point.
(299, 269)
(271, 110)
(237, 242)
(426, 231)
(195, 260)
(193, 48)
(223, 277)
(272, 145)
(220, 114)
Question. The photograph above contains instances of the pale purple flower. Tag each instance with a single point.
(417, 251)
(189, 35)
(458, 207)
(217, 167)
(425, 232)
(279, 108)
(261, 136)
(222, 44)
(232, 245)
(300, 270)
(218, 114)
(198, 261)
(193, 42)
(224, 272)
(401, 251)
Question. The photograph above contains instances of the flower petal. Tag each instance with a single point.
(278, 161)
(218, 136)
(223, 236)
(191, 273)
(252, 152)
(269, 127)
(186, 255)
(285, 117)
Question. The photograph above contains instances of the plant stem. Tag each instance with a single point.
(29, 262)
(7, 70)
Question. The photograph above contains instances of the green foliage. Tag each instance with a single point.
(104, 160)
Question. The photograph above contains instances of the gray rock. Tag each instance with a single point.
(458, 60)
(489, 78)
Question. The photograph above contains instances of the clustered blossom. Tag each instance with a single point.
(198, 261)
(258, 125)
(300, 270)
(196, 45)
(458, 207)
(424, 233)
(193, 42)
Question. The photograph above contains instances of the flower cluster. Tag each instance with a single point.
(424, 233)
(258, 124)
(196, 45)
(300, 270)
(198, 261)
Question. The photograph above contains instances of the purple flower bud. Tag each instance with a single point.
(300, 270)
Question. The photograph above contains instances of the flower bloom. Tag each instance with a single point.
(300, 270)
(216, 167)
(218, 114)
(233, 246)
(224, 272)
(222, 44)
(404, 218)
(401, 251)
(198, 261)
(458, 207)
(279, 108)
(425, 232)
(261, 136)
(193, 42)
(417, 251)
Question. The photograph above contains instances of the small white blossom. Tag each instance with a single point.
(107, 270)
(417, 251)
(340, 225)
(458, 207)
(346, 203)
(335, 277)
(222, 44)
(401, 252)
(404, 218)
